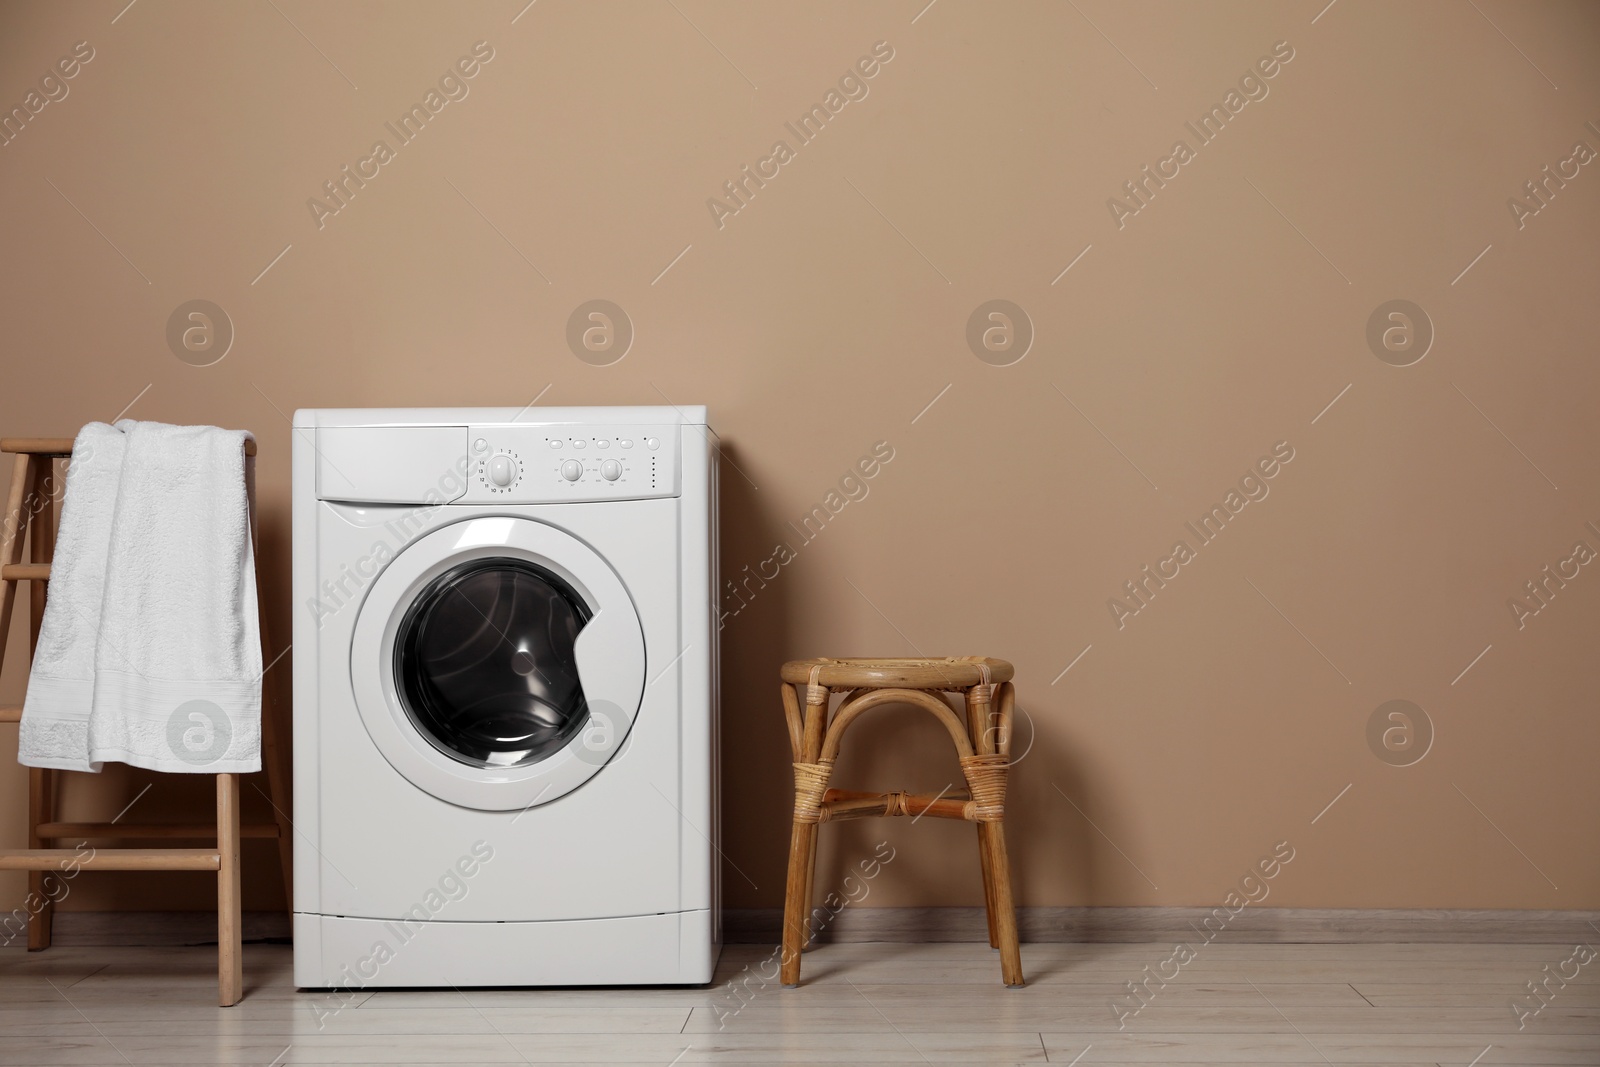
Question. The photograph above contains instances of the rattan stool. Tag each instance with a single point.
(983, 742)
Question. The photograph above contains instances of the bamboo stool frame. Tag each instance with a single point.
(983, 743)
(30, 522)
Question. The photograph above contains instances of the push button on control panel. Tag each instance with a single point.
(553, 463)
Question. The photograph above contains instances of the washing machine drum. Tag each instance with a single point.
(485, 662)
(498, 663)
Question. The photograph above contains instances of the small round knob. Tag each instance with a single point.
(572, 470)
(610, 470)
(502, 470)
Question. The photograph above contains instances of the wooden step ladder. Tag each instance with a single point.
(30, 524)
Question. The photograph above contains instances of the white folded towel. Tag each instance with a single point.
(177, 651)
(55, 715)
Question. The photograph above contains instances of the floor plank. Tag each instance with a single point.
(1371, 1005)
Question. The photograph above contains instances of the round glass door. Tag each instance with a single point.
(485, 662)
(498, 662)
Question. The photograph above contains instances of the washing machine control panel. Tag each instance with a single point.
(546, 464)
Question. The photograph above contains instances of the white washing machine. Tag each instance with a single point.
(505, 697)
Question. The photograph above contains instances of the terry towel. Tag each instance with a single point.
(176, 646)
(55, 715)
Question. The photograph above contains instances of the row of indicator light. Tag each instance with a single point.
(651, 443)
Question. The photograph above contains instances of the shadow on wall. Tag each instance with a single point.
(273, 542)
(756, 615)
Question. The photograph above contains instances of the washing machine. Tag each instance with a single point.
(505, 697)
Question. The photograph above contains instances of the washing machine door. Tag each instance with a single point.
(498, 663)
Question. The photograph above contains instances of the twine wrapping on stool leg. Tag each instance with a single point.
(979, 702)
(816, 694)
(986, 777)
(980, 712)
(983, 692)
(810, 783)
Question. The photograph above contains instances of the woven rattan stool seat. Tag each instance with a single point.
(949, 673)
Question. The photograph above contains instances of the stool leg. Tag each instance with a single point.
(1002, 913)
(230, 970)
(978, 724)
(989, 906)
(810, 788)
(811, 885)
(41, 809)
(794, 901)
(41, 782)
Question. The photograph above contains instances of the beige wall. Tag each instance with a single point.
(1216, 322)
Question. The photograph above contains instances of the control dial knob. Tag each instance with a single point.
(610, 470)
(572, 470)
(502, 470)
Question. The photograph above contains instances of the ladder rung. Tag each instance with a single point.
(25, 572)
(58, 831)
(111, 859)
(37, 446)
(10, 712)
(62, 446)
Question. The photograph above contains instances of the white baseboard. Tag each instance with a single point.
(764, 925)
(1252, 925)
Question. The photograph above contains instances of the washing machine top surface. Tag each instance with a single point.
(670, 415)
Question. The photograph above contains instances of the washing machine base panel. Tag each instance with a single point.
(338, 952)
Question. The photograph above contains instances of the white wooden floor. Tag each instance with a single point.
(861, 1003)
